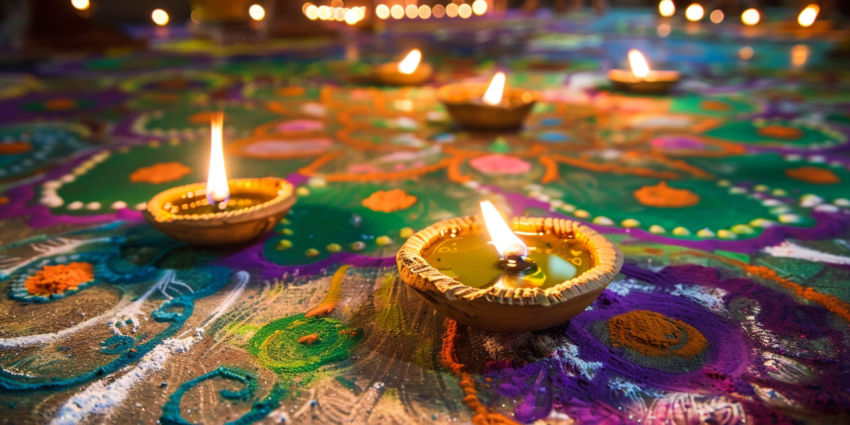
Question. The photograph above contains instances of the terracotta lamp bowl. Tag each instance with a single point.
(388, 74)
(463, 102)
(255, 207)
(657, 82)
(509, 310)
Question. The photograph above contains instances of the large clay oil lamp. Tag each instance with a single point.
(641, 79)
(409, 72)
(221, 211)
(532, 274)
(487, 107)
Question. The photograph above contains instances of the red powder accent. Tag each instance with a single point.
(309, 339)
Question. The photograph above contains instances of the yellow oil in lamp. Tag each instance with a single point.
(532, 274)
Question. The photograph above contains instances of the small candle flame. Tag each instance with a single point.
(507, 243)
(218, 192)
(493, 95)
(639, 66)
(808, 15)
(410, 62)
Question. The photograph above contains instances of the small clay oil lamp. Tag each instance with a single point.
(487, 107)
(533, 274)
(222, 211)
(409, 72)
(640, 79)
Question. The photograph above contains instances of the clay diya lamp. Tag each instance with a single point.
(492, 107)
(532, 274)
(641, 79)
(409, 72)
(220, 211)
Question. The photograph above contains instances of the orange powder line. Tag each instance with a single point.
(835, 305)
(333, 297)
(319, 163)
(483, 415)
(551, 165)
(603, 168)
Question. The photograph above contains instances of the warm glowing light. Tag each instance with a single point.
(717, 16)
(479, 7)
(666, 8)
(746, 53)
(382, 11)
(439, 11)
(493, 95)
(312, 12)
(352, 17)
(694, 12)
(160, 17)
(808, 15)
(424, 12)
(410, 62)
(339, 14)
(464, 11)
(80, 4)
(337, 3)
(325, 13)
(218, 192)
(507, 243)
(451, 10)
(305, 6)
(361, 11)
(799, 55)
(750, 17)
(257, 12)
(411, 11)
(663, 30)
(638, 63)
(397, 12)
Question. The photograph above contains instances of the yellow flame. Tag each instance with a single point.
(639, 66)
(694, 12)
(410, 62)
(493, 95)
(160, 17)
(80, 4)
(218, 192)
(808, 15)
(257, 12)
(666, 8)
(750, 17)
(506, 242)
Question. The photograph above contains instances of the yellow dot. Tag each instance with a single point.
(283, 245)
(383, 240)
(257, 12)
(311, 252)
(406, 232)
(726, 234)
(629, 223)
(302, 191)
(358, 246)
(656, 229)
(743, 229)
(705, 233)
(681, 231)
(287, 232)
(582, 214)
(285, 222)
(160, 17)
(333, 248)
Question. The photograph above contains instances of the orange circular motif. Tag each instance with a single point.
(60, 278)
(59, 104)
(663, 196)
(780, 132)
(203, 117)
(162, 172)
(14, 148)
(654, 334)
(813, 175)
(389, 201)
(715, 105)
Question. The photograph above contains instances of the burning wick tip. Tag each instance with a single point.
(515, 263)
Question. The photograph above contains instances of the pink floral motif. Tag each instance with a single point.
(500, 164)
